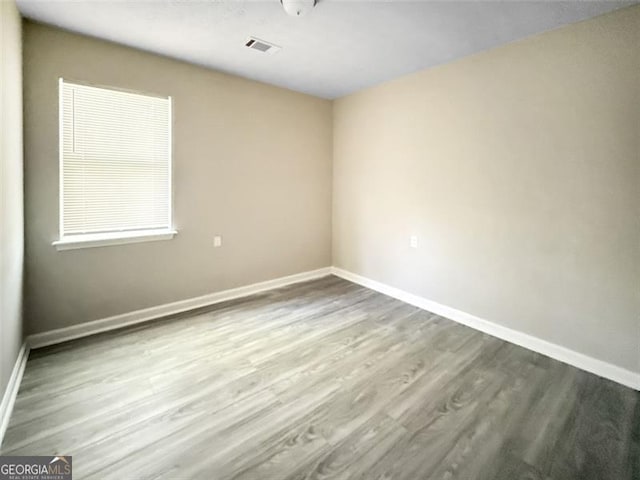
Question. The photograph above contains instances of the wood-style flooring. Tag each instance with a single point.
(319, 380)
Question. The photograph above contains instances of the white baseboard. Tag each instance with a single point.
(11, 392)
(563, 354)
(557, 352)
(60, 335)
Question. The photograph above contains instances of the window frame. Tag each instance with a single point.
(119, 237)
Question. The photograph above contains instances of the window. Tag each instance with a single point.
(115, 166)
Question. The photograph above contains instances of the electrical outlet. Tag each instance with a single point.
(217, 241)
(413, 241)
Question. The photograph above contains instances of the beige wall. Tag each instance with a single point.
(11, 211)
(519, 170)
(251, 162)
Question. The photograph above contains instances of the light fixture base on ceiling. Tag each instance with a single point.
(298, 8)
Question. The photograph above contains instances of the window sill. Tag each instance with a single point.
(106, 239)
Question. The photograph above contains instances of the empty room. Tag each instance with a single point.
(319, 239)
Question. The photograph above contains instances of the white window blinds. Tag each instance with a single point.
(115, 161)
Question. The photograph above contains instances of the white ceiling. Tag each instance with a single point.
(338, 48)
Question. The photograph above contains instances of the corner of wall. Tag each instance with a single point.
(12, 346)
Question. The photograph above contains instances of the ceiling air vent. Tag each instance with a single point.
(261, 46)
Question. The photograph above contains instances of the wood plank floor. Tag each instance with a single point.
(320, 380)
